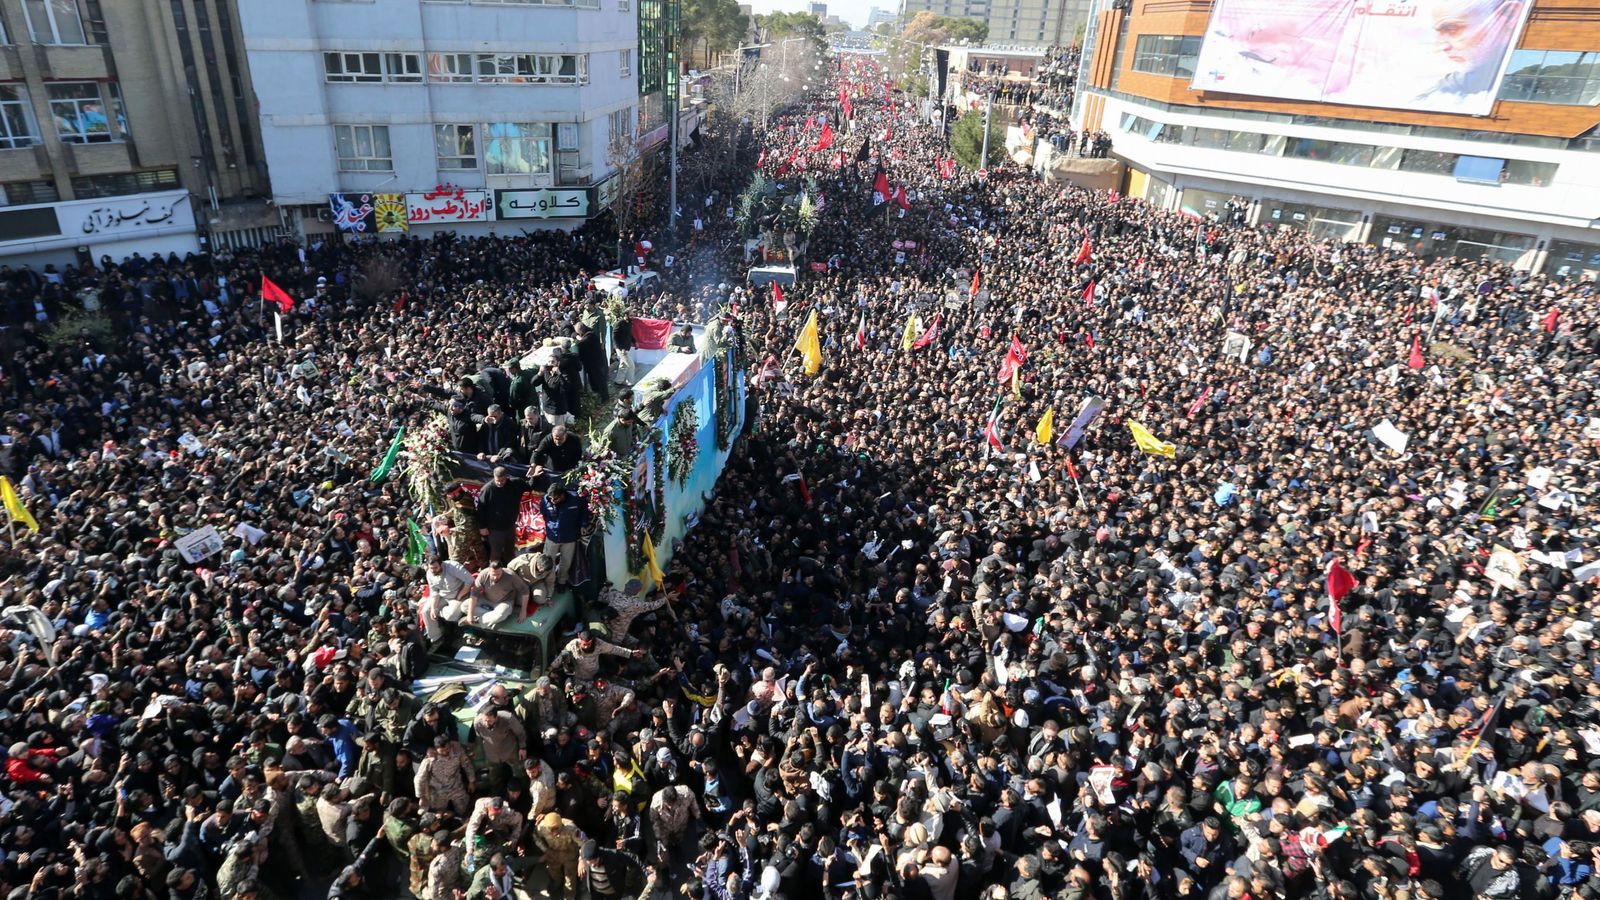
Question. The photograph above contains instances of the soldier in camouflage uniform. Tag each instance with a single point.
(385, 727)
(446, 873)
(398, 828)
(493, 826)
(319, 853)
(421, 850)
(445, 779)
(560, 840)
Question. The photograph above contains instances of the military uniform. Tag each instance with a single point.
(443, 779)
(493, 826)
(386, 728)
(419, 855)
(560, 840)
(445, 874)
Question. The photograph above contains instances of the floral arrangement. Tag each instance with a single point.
(647, 514)
(615, 309)
(602, 477)
(426, 455)
(684, 446)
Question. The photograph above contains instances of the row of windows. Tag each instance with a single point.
(1588, 142)
(78, 108)
(1425, 162)
(1565, 77)
(463, 68)
(508, 148)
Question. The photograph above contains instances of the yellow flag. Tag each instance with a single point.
(1047, 427)
(913, 329)
(651, 567)
(1149, 443)
(19, 513)
(809, 345)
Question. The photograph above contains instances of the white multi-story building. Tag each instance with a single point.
(388, 116)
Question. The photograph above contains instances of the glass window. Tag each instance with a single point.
(54, 21)
(1166, 54)
(80, 112)
(620, 128)
(1428, 162)
(403, 67)
(1534, 174)
(1567, 77)
(625, 63)
(353, 67)
(450, 68)
(363, 148)
(517, 148)
(456, 146)
(16, 118)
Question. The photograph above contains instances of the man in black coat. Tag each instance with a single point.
(497, 434)
(498, 505)
(592, 355)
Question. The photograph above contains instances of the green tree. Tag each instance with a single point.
(966, 141)
(924, 31)
(711, 27)
(791, 25)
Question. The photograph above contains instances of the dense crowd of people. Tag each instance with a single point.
(920, 644)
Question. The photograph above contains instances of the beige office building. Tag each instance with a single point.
(126, 125)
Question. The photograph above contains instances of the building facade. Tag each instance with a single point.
(1037, 23)
(1520, 183)
(126, 127)
(415, 116)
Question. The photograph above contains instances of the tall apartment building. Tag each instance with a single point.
(124, 127)
(1488, 148)
(1021, 23)
(1037, 23)
(955, 9)
(395, 116)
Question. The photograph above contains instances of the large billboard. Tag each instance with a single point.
(1443, 56)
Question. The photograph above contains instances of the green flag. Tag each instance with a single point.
(381, 473)
(416, 545)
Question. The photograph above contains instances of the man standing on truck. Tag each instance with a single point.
(582, 655)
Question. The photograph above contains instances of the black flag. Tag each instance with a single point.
(861, 155)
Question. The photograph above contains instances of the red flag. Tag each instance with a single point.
(1198, 402)
(1088, 293)
(1013, 361)
(1072, 470)
(1415, 361)
(270, 291)
(975, 276)
(1084, 252)
(1340, 583)
(762, 158)
(1549, 323)
(861, 329)
(651, 334)
(930, 335)
(805, 489)
(778, 303)
(880, 188)
(900, 196)
(824, 140)
(1017, 350)
(1088, 338)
